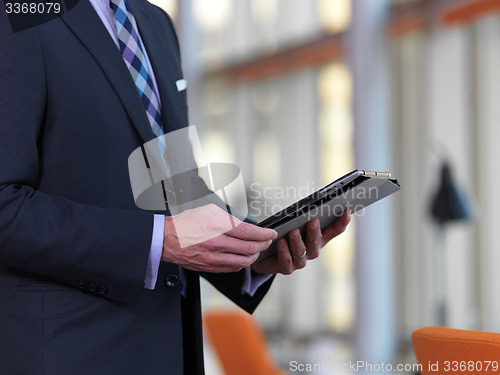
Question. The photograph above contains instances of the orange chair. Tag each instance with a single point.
(239, 344)
(442, 350)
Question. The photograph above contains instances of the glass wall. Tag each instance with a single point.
(290, 117)
(291, 132)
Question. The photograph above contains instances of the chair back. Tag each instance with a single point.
(442, 350)
(239, 344)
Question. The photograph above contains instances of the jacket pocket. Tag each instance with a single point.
(42, 286)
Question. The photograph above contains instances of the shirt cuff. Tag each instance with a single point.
(155, 252)
(253, 281)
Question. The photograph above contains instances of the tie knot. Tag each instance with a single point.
(124, 18)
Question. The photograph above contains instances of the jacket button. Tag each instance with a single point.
(171, 281)
(82, 284)
(102, 290)
(92, 287)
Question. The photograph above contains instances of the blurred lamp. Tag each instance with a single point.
(449, 204)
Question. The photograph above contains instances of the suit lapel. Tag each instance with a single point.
(88, 28)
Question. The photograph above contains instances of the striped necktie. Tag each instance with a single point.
(132, 52)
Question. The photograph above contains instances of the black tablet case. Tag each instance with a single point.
(353, 191)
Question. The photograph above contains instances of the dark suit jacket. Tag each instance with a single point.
(73, 245)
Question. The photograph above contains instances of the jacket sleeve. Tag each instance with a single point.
(51, 238)
(231, 284)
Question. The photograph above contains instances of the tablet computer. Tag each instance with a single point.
(354, 191)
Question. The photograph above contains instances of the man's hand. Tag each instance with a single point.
(294, 254)
(232, 244)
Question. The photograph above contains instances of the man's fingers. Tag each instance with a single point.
(338, 227)
(313, 239)
(233, 245)
(298, 249)
(285, 262)
(249, 232)
(209, 239)
(226, 262)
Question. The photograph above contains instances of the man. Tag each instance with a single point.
(89, 283)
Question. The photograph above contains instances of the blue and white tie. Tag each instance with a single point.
(132, 52)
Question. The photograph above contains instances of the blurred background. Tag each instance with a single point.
(300, 92)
